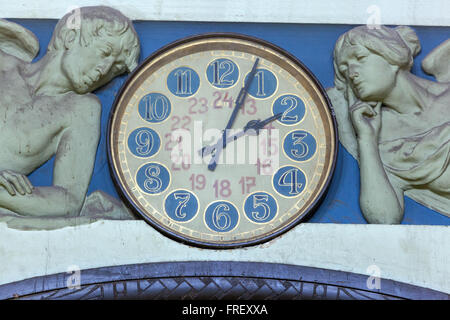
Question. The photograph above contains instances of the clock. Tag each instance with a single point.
(222, 141)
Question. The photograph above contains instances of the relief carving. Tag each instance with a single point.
(396, 124)
(47, 109)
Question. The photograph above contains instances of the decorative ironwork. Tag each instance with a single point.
(213, 280)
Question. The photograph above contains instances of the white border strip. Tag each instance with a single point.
(416, 255)
(399, 12)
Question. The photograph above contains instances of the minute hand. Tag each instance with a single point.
(238, 103)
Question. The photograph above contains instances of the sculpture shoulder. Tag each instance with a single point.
(438, 96)
(434, 88)
(88, 100)
(8, 62)
(444, 94)
(85, 108)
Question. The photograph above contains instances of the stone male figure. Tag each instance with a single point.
(46, 109)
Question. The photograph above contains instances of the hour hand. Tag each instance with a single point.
(259, 124)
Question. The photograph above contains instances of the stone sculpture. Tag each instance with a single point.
(47, 110)
(397, 125)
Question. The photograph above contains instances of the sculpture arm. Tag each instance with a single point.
(74, 162)
(380, 201)
(43, 201)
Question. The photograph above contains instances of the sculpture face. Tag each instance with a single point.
(370, 76)
(89, 67)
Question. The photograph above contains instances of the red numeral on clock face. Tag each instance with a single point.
(181, 162)
(222, 188)
(264, 167)
(246, 184)
(198, 181)
(203, 108)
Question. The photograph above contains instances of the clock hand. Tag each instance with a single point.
(259, 124)
(255, 125)
(238, 103)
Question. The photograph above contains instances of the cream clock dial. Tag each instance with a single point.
(222, 140)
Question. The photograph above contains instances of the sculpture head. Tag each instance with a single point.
(367, 60)
(102, 45)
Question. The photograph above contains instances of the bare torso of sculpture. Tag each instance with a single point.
(35, 127)
(21, 119)
(47, 109)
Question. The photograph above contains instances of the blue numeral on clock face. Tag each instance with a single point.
(263, 85)
(289, 181)
(144, 142)
(299, 145)
(153, 178)
(154, 107)
(181, 205)
(291, 107)
(260, 207)
(183, 82)
(222, 73)
(221, 216)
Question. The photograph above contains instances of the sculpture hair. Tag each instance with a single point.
(397, 46)
(98, 21)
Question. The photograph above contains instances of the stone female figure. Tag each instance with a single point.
(396, 124)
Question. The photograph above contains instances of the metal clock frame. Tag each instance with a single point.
(202, 244)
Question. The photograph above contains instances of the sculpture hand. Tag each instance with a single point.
(366, 119)
(15, 182)
(221, 143)
(253, 126)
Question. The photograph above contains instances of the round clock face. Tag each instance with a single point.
(222, 141)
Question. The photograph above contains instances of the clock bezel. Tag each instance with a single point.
(214, 245)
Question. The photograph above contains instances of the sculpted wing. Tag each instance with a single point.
(437, 63)
(17, 41)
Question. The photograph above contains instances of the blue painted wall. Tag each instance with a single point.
(313, 45)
